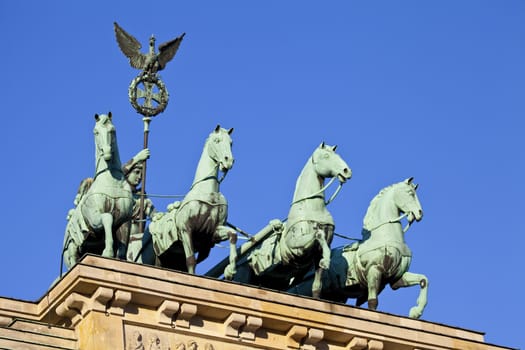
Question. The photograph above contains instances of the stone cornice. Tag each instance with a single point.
(225, 311)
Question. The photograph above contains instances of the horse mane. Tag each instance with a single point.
(368, 221)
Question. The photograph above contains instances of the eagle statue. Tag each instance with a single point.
(151, 62)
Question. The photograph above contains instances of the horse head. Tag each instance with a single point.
(329, 164)
(407, 201)
(219, 147)
(104, 136)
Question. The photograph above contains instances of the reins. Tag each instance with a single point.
(398, 219)
(316, 194)
(96, 167)
(103, 170)
(211, 177)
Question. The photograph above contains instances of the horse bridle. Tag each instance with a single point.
(316, 194)
(211, 177)
(104, 170)
(398, 219)
(99, 158)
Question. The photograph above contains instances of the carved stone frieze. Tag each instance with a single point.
(144, 338)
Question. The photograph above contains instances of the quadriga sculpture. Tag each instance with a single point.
(103, 202)
(285, 256)
(363, 269)
(198, 222)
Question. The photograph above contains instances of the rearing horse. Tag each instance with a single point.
(106, 205)
(363, 269)
(284, 258)
(198, 222)
(383, 257)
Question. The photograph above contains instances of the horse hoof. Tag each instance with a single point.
(108, 253)
(415, 312)
(229, 272)
(372, 304)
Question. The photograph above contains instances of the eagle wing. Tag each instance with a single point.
(130, 47)
(167, 50)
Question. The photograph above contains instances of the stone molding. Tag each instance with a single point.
(124, 303)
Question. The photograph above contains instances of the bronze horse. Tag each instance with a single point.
(103, 204)
(285, 256)
(362, 270)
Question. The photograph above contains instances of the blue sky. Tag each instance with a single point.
(430, 89)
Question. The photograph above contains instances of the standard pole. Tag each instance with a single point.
(142, 221)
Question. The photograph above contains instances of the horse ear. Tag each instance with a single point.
(230, 131)
(415, 187)
(409, 180)
(334, 148)
(96, 117)
(217, 128)
(322, 145)
(109, 115)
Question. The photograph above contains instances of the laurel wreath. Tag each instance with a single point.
(163, 92)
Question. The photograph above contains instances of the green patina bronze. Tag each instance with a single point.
(103, 203)
(147, 86)
(363, 269)
(111, 209)
(149, 89)
(199, 221)
(133, 228)
(286, 255)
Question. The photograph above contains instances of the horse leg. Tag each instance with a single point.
(324, 263)
(223, 233)
(244, 273)
(373, 280)
(107, 222)
(230, 271)
(189, 251)
(122, 235)
(70, 253)
(411, 279)
(317, 285)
